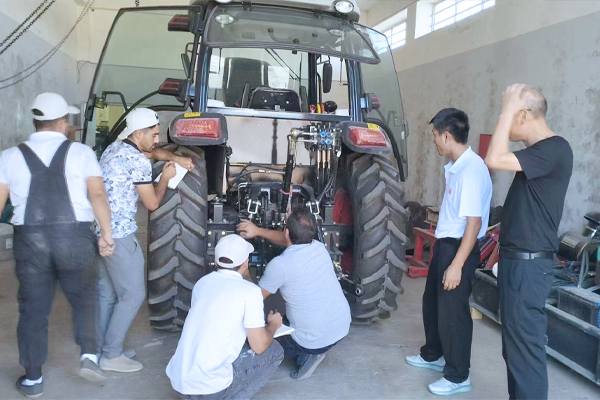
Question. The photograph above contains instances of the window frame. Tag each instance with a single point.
(463, 13)
(396, 35)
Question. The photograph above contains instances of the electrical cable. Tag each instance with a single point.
(48, 55)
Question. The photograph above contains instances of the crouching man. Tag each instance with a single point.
(212, 360)
(314, 301)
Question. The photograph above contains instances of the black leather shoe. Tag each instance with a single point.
(33, 392)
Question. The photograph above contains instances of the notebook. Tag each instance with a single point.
(283, 330)
(174, 181)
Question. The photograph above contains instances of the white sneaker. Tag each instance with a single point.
(444, 387)
(120, 364)
(417, 361)
(129, 353)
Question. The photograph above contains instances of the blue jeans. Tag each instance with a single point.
(251, 372)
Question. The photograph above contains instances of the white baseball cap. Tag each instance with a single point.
(52, 106)
(232, 247)
(139, 118)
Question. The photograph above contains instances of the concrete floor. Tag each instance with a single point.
(368, 364)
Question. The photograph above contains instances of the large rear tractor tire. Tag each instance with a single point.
(177, 244)
(372, 194)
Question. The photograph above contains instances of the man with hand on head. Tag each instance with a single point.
(212, 360)
(528, 239)
(462, 222)
(121, 285)
(56, 188)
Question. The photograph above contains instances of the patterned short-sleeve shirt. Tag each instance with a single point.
(123, 167)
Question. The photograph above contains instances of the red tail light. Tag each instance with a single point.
(367, 137)
(179, 22)
(207, 128)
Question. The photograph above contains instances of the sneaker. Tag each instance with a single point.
(444, 387)
(91, 371)
(33, 392)
(120, 364)
(129, 353)
(305, 371)
(417, 361)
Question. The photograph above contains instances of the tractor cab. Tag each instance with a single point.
(280, 106)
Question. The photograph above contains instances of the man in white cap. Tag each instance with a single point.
(49, 179)
(121, 286)
(212, 360)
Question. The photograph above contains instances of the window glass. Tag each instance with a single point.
(448, 12)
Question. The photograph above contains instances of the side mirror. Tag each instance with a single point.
(327, 76)
(185, 60)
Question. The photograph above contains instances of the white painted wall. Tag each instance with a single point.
(59, 74)
(507, 19)
(51, 27)
(551, 44)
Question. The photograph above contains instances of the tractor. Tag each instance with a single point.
(280, 106)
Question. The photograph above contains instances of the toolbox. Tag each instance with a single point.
(581, 303)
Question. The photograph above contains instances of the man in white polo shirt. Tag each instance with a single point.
(212, 360)
(49, 180)
(463, 221)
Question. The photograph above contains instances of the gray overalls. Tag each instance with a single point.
(52, 246)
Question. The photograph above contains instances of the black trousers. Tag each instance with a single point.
(293, 351)
(446, 313)
(524, 286)
(45, 255)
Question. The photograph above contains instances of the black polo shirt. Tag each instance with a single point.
(535, 201)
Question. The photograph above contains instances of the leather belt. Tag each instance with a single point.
(520, 255)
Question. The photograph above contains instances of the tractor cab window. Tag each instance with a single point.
(378, 79)
(265, 79)
(139, 55)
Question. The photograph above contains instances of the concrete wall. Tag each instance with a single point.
(58, 75)
(552, 45)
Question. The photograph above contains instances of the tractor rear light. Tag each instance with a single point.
(179, 23)
(370, 136)
(206, 128)
(199, 129)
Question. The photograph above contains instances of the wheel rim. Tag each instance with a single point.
(343, 214)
